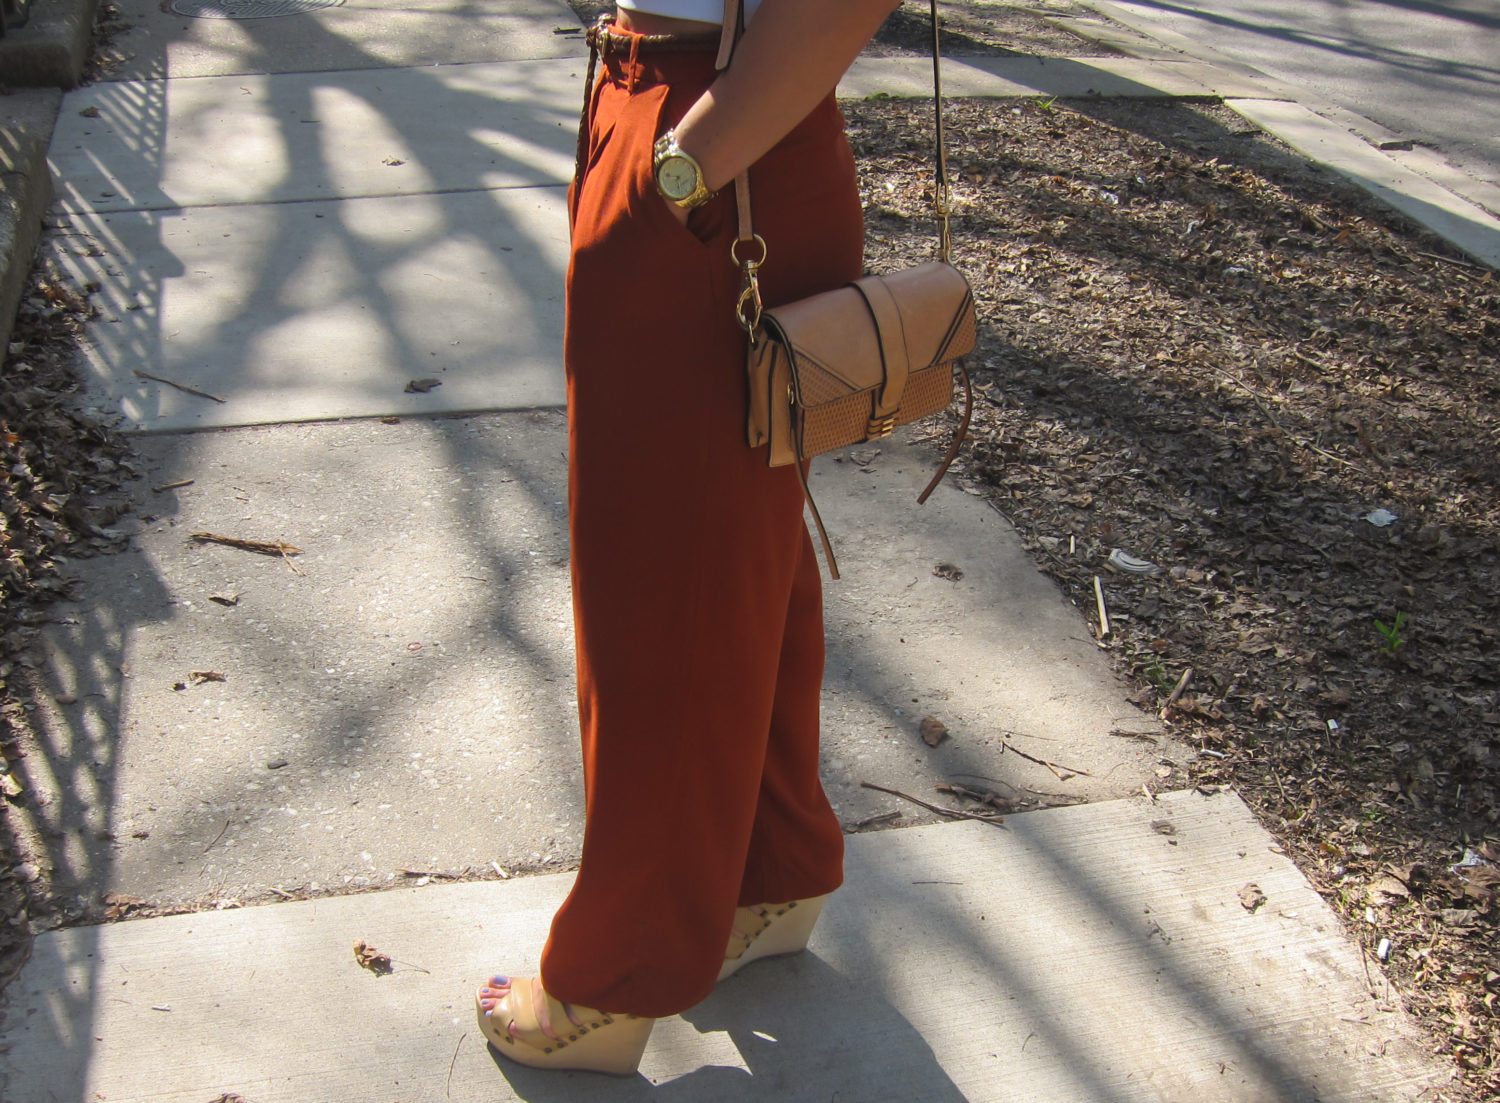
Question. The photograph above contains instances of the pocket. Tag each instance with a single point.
(706, 225)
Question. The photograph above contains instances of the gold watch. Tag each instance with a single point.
(679, 177)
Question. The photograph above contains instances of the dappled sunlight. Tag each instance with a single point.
(362, 35)
(368, 154)
(382, 689)
(426, 252)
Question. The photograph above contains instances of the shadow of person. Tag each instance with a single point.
(796, 1029)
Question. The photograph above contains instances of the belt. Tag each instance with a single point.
(604, 40)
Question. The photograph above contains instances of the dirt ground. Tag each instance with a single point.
(1199, 351)
(1202, 352)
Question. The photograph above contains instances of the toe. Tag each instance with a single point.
(497, 988)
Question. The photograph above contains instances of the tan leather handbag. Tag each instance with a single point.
(849, 365)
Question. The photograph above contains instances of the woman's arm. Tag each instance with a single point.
(791, 56)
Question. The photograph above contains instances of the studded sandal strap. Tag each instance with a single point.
(526, 1019)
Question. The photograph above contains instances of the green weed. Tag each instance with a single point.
(1390, 634)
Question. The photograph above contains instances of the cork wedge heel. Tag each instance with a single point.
(770, 930)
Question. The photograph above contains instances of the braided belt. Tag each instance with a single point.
(605, 40)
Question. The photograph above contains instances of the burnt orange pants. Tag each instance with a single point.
(697, 598)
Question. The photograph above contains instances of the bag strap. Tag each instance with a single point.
(749, 252)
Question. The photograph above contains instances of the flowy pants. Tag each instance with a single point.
(697, 596)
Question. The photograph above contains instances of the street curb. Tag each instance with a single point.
(1115, 36)
(26, 120)
(49, 51)
(1452, 216)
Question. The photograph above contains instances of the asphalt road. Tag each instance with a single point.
(1427, 69)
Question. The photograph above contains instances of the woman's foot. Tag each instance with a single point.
(525, 1024)
(767, 930)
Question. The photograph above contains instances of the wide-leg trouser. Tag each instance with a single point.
(697, 598)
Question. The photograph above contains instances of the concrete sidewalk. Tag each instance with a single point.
(295, 218)
(1099, 954)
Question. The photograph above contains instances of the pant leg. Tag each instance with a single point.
(696, 595)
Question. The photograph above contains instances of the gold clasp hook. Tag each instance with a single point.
(748, 309)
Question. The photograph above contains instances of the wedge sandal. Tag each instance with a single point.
(531, 1028)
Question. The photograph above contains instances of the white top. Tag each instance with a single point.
(705, 11)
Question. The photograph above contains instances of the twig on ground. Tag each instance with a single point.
(997, 781)
(869, 821)
(982, 796)
(217, 837)
(1449, 260)
(1143, 737)
(1103, 611)
(264, 547)
(180, 386)
(449, 1090)
(1057, 768)
(1182, 684)
(954, 813)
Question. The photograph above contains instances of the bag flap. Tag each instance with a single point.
(836, 334)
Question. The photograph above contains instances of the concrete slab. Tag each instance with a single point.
(302, 311)
(356, 34)
(26, 120)
(418, 663)
(1462, 223)
(148, 145)
(1125, 969)
(1043, 76)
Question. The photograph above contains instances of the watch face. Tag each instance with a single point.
(676, 177)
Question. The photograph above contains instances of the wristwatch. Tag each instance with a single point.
(678, 176)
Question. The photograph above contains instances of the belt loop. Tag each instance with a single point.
(633, 64)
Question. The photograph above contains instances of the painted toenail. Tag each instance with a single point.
(499, 981)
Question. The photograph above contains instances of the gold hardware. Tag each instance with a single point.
(880, 427)
(734, 252)
(748, 309)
